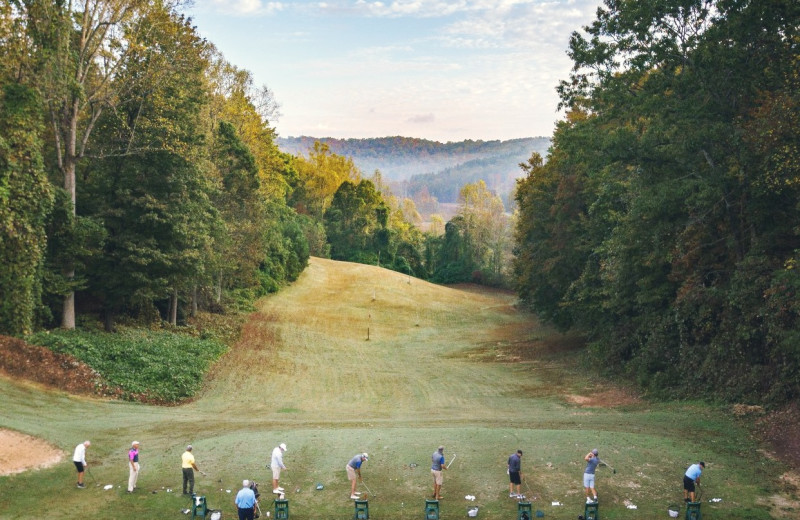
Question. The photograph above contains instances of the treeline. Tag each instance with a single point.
(140, 179)
(665, 221)
(399, 158)
(138, 171)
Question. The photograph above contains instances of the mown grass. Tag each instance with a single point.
(441, 366)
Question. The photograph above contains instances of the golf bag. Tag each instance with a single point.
(254, 487)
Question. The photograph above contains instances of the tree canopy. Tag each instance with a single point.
(664, 222)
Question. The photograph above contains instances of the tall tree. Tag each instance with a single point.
(25, 198)
(79, 49)
(155, 203)
(663, 221)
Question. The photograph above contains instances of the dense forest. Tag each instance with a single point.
(664, 223)
(140, 179)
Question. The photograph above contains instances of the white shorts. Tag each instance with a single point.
(276, 472)
(588, 480)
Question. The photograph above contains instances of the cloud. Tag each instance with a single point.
(422, 118)
(244, 7)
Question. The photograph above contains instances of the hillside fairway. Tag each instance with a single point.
(355, 358)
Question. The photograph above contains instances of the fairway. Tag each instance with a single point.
(354, 358)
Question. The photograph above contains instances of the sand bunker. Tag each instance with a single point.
(19, 452)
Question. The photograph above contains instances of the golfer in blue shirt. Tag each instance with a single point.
(690, 478)
(246, 502)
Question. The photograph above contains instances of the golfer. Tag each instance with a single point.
(437, 466)
(188, 467)
(277, 465)
(690, 478)
(79, 459)
(588, 475)
(515, 474)
(133, 466)
(354, 468)
(245, 502)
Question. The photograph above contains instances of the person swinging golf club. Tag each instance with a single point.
(690, 478)
(354, 469)
(437, 466)
(515, 474)
(588, 476)
(276, 464)
(79, 459)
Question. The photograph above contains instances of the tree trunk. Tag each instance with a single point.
(68, 316)
(108, 320)
(173, 318)
(194, 301)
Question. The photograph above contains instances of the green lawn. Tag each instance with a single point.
(461, 368)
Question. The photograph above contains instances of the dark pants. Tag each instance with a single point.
(188, 476)
(246, 514)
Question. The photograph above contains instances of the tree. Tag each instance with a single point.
(356, 217)
(155, 204)
(79, 50)
(663, 222)
(25, 198)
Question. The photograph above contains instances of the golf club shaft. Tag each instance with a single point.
(367, 487)
(451, 461)
(604, 463)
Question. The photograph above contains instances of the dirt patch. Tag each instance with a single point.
(19, 359)
(604, 399)
(780, 429)
(19, 452)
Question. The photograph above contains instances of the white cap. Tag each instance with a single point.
(245, 483)
(282, 446)
(135, 443)
(365, 456)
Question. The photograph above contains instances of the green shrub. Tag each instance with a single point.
(150, 366)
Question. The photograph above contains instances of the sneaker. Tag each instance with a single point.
(81, 486)
(277, 491)
(354, 497)
(280, 488)
(595, 499)
(588, 500)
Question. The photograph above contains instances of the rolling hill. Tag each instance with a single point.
(410, 164)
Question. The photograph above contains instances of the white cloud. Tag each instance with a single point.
(243, 7)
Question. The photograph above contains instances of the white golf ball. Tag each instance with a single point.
(267, 514)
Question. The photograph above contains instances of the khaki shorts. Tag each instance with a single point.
(437, 477)
(276, 472)
(351, 472)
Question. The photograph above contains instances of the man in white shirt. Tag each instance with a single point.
(79, 459)
(277, 465)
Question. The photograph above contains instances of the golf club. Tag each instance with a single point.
(608, 466)
(367, 488)
(699, 492)
(90, 474)
(528, 487)
(451, 461)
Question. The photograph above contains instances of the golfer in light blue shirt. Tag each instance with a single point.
(246, 501)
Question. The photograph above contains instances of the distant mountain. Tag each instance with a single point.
(411, 164)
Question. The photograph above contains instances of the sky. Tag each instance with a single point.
(444, 70)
